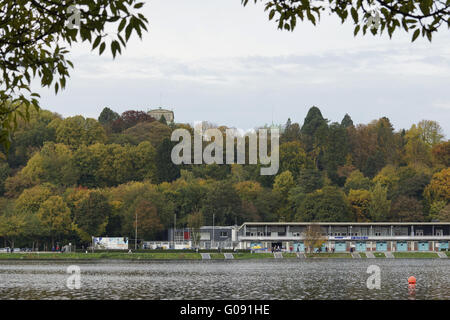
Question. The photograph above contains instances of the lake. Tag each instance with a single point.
(261, 279)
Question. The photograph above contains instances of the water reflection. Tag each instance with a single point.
(284, 279)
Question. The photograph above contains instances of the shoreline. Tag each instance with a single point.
(190, 256)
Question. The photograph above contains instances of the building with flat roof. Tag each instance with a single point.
(211, 237)
(159, 113)
(347, 236)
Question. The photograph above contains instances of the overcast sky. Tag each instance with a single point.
(217, 61)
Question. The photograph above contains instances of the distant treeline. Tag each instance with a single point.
(65, 180)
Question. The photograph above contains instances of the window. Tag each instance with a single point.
(205, 236)
(224, 233)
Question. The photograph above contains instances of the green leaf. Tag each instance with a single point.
(415, 35)
(96, 42)
(122, 25)
(354, 15)
(102, 48)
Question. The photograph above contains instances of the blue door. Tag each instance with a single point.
(300, 246)
(424, 246)
(381, 246)
(443, 246)
(360, 246)
(402, 246)
(340, 246)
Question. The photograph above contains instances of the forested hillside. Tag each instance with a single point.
(70, 178)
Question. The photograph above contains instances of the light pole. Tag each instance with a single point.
(135, 234)
(174, 228)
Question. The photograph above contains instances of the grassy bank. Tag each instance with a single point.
(262, 255)
(96, 256)
(415, 254)
(194, 256)
(329, 255)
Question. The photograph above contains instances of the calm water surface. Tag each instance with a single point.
(263, 279)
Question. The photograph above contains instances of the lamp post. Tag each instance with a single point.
(174, 228)
(135, 234)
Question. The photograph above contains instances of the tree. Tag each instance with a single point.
(430, 132)
(154, 132)
(406, 209)
(31, 199)
(34, 39)
(380, 206)
(91, 215)
(388, 141)
(4, 173)
(194, 222)
(54, 215)
(357, 181)
(284, 182)
(248, 190)
(107, 116)
(313, 237)
(30, 136)
(12, 226)
(129, 119)
(309, 180)
(291, 132)
(360, 203)
(417, 151)
(314, 130)
(347, 121)
(336, 148)
(363, 143)
(293, 158)
(166, 169)
(439, 187)
(441, 153)
(53, 164)
(77, 131)
(411, 182)
(444, 214)
(327, 204)
(224, 203)
(420, 17)
(148, 222)
(389, 178)
(102, 165)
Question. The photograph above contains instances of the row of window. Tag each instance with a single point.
(418, 233)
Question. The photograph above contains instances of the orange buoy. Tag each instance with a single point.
(412, 280)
